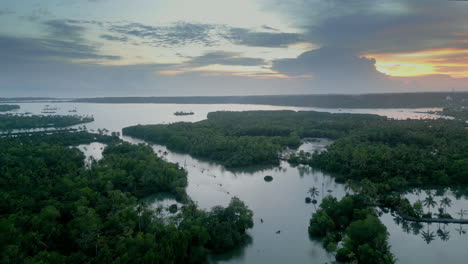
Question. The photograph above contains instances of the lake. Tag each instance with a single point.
(279, 203)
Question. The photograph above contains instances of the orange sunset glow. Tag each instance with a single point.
(450, 61)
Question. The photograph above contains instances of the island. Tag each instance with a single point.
(57, 210)
(6, 108)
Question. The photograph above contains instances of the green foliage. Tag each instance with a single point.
(399, 154)
(54, 210)
(367, 238)
(62, 138)
(354, 221)
(227, 226)
(137, 170)
(8, 121)
(458, 113)
(238, 139)
(6, 108)
(334, 215)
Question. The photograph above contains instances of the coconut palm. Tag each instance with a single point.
(429, 202)
(443, 234)
(428, 236)
(446, 202)
(313, 192)
(462, 213)
(460, 230)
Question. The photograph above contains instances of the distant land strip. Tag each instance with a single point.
(386, 100)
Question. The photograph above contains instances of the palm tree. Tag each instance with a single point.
(462, 213)
(443, 234)
(460, 230)
(313, 192)
(428, 236)
(446, 202)
(429, 202)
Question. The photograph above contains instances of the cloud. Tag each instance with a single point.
(168, 36)
(4, 12)
(63, 29)
(183, 33)
(374, 26)
(37, 14)
(114, 38)
(19, 50)
(247, 37)
(269, 28)
(224, 58)
(336, 69)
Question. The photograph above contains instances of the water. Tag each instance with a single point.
(448, 243)
(279, 203)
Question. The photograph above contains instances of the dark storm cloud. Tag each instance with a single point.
(325, 60)
(16, 49)
(377, 25)
(224, 58)
(335, 69)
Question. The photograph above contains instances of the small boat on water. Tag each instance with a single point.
(182, 113)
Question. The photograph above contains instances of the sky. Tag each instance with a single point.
(95, 48)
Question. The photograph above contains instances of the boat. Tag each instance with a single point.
(182, 113)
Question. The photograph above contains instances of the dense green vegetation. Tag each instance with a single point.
(9, 121)
(457, 112)
(353, 221)
(6, 108)
(137, 170)
(55, 210)
(398, 154)
(238, 139)
(62, 137)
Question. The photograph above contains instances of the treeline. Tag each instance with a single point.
(66, 137)
(9, 121)
(398, 154)
(55, 210)
(388, 100)
(460, 113)
(238, 139)
(6, 108)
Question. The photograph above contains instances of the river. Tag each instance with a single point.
(279, 203)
